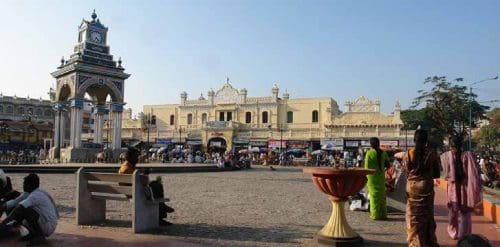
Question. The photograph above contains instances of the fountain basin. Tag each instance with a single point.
(339, 184)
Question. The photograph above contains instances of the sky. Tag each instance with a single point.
(340, 49)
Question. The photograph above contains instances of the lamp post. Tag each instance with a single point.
(281, 129)
(470, 106)
(180, 134)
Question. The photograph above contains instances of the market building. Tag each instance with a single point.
(228, 119)
(362, 120)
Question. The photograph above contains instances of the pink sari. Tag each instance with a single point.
(463, 195)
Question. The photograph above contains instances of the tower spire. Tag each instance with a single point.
(94, 15)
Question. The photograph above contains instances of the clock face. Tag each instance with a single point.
(96, 37)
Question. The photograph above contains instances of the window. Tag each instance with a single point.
(1, 108)
(190, 118)
(289, 117)
(172, 119)
(20, 110)
(203, 118)
(229, 116)
(264, 117)
(221, 116)
(48, 113)
(315, 116)
(10, 109)
(39, 112)
(30, 111)
(153, 120)
(248, 117)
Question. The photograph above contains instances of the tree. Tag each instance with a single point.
(447, 106)
(488, 136)
(494, 117)
(419, 118)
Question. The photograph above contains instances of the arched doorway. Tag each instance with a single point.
(217, 144)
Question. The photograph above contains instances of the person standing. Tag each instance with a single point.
(463, 187)
(377, 159)
(421, 165)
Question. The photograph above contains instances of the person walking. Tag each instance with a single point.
(421, 165)
(463, 187)
(377, 159)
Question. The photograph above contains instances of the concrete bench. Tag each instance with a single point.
(93, 189)
(300, 161)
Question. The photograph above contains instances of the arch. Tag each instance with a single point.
(204, 118)
(189, 118)
(265, 118)
(30, 110)
(9, 109)
(289, 116)
(99, 91)
(48, 113)
(39, 112)
(20, 110)
(172, 119)
(248, 117)
(217, 144)
(64, 93)
(315, 117)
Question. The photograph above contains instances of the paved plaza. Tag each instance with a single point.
(256, 207)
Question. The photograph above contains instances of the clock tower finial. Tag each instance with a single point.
(94, 15)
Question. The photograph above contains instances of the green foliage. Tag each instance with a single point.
(413, 119)
(446, 107)
(489, 137)
(494, 117)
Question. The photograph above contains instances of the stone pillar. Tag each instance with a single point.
(116, 116)
(99, 112)
(76, 122)
(57, 130)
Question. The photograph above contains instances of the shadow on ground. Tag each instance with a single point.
(240, 233)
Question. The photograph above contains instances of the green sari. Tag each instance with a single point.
(376, 184)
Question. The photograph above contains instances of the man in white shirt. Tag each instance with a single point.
(35, 210)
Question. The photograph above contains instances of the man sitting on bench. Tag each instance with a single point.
(128, 167)
(34, 210)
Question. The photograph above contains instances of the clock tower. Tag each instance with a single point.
(90, 70)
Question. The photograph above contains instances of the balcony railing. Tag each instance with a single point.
(221, 125)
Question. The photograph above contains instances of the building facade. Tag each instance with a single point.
(24, 122)
(228, 119)
(18, 109)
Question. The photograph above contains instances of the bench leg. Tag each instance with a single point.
(88, 211)
(145, 216)
(144, 213)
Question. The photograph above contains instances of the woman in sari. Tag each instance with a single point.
(377, 159)
(464, 187)
(422, 166)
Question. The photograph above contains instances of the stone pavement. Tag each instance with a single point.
(256, 207)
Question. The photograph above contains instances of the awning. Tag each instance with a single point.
(193, 143)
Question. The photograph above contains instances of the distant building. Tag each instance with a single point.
(18, 109)
(24, 122)
(229, 119)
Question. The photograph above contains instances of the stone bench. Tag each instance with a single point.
(93, 189)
